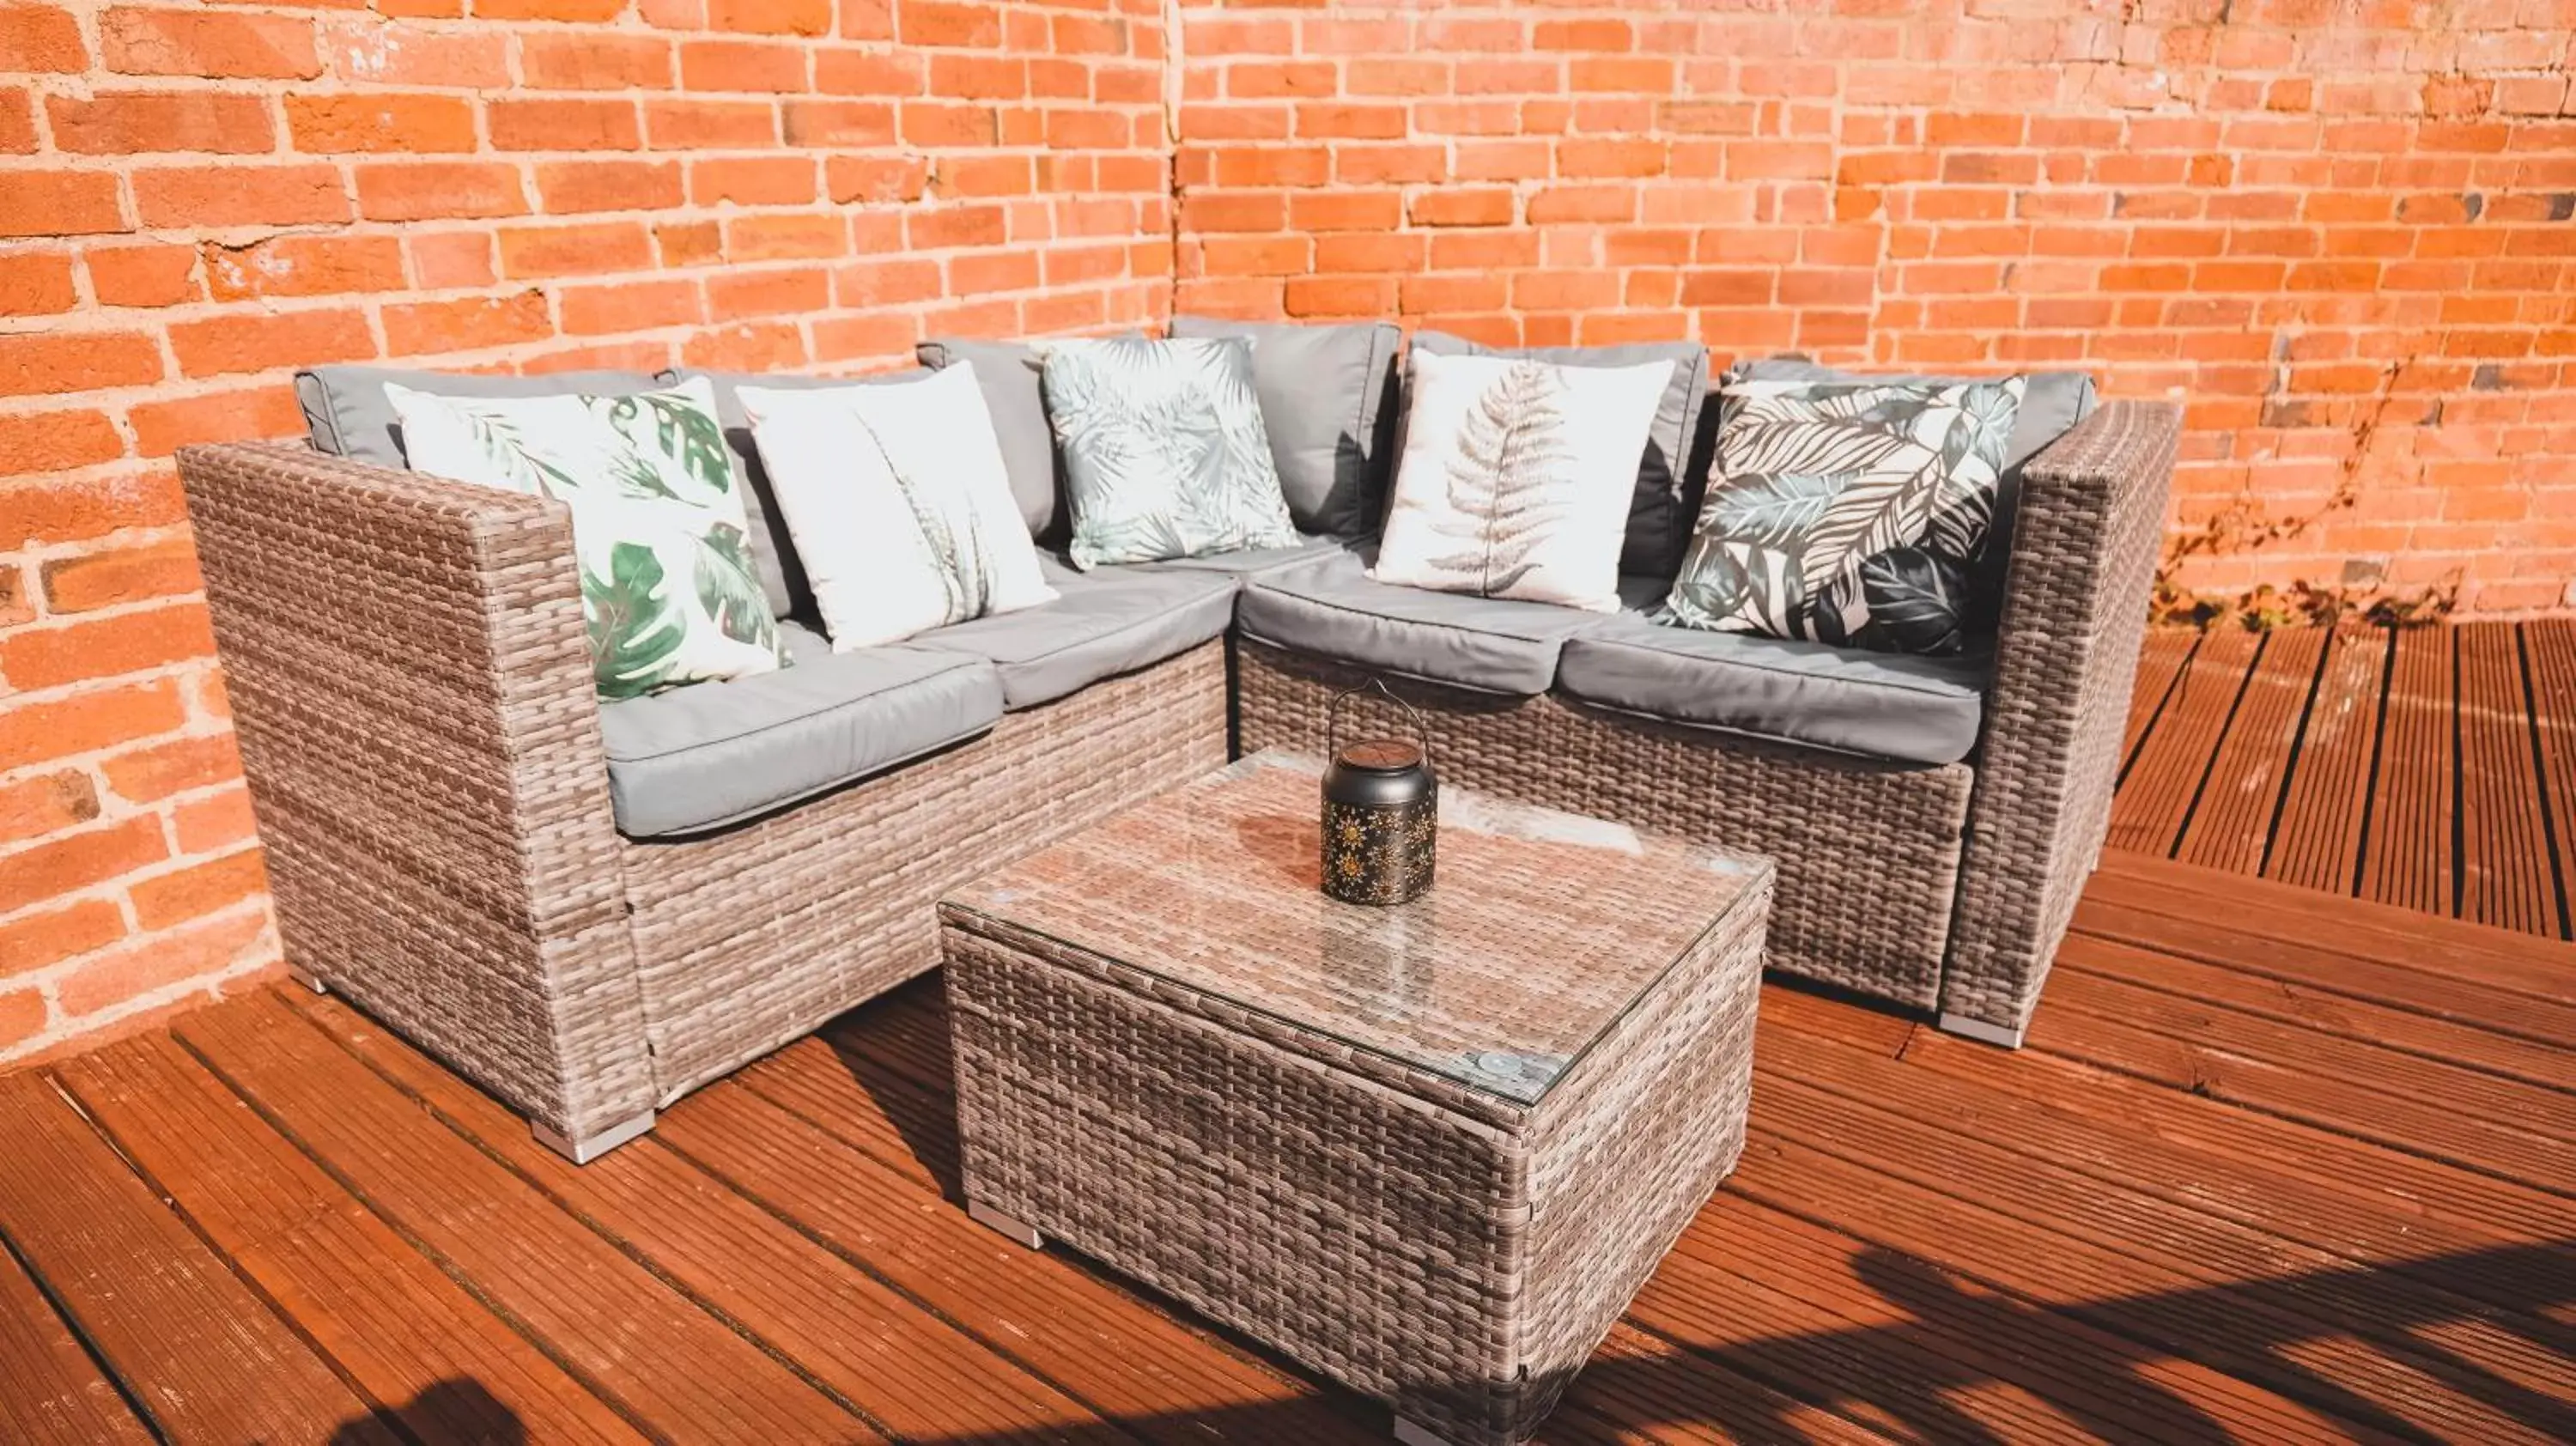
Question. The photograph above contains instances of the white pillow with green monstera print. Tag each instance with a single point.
(1165, 454)
(668, 587)
(896, 495)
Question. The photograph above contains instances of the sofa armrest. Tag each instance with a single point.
(411, 683)
(2084, 552)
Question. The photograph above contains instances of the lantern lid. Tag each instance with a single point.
(1382, 755)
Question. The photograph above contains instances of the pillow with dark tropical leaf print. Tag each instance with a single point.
(668, 587)
(1856, 514)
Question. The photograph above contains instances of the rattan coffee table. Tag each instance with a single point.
(1432, 1150)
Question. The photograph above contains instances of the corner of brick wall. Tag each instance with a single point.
(195, 198)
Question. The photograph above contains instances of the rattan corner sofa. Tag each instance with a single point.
(469, 845)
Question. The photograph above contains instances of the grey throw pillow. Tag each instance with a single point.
(1164, 450)
(1659, 518)
(1851, 514)
(1324, 398)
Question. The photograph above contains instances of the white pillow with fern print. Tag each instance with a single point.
(669, 592)
(1516, 477)
(898, 502)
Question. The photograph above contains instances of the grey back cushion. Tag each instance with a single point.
(346, 412)
(1659, 520)
(782, 574)
(2051, 404)
(1325, 394)
(1007, 371)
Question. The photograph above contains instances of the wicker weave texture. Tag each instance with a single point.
(749, 938)
(411, 688)
(1868, 855)
(1412, 1251)
(413, 691)
(2074, 619)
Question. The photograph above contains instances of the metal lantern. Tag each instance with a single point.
(1381, 810)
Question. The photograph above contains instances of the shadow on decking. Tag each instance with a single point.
(2092, 1361)
(2089, 1360)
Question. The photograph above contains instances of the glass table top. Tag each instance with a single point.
(1540, 931)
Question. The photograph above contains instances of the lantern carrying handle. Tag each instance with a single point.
(1333, 718)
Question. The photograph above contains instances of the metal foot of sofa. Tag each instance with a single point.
(307, 979)
(1984, 1033)
(1010, 1225)
(591, 1147)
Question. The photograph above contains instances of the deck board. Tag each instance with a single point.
(2277, 1164)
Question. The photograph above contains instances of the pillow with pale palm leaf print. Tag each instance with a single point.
(897, 497)
(1516, 477)
(1165, 454)
(1851, 514)
(668, 587)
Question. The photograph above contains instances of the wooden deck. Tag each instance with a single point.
(2275, 1166)
(2432, 768)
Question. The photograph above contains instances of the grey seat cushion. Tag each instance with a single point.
(701, 757)
(1333, 610)
(1659, 519)
(2051, 404)
(1893, 706)
(1327, 401)
(1106, 622)
(782, 575)
(1257, 562)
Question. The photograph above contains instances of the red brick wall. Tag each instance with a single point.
(2342, 231)
(195, 198)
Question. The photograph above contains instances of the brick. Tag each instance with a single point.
(837, 123)
(120, 575)
(570, 187)
(738, 295)
(289, 195)
(378, 52)
(707, 124)
(769, 237)
(151, 274)
(54, 510)
(47, 362)
(198, 890)
(37, 941)
(582, 250)
(218, 45)
(103, 647)
(130, 122)
(742, 65)
(48, 803)
(23, 1016)
(753, 181)
(590, 61)
(36, 283)
(56, 441)
(211, 822)
(303, 266)
(1462, 206)
(162, 427)
(569, 11)
(379, 122)
(927, 22)
(148, 965)
(41, 39)
(59, 203)
(56, 867)
(621, 306)
(17, 121)
(438, 190)
(771, 17)
(250, 342)
(472, 323)
(563, 125)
